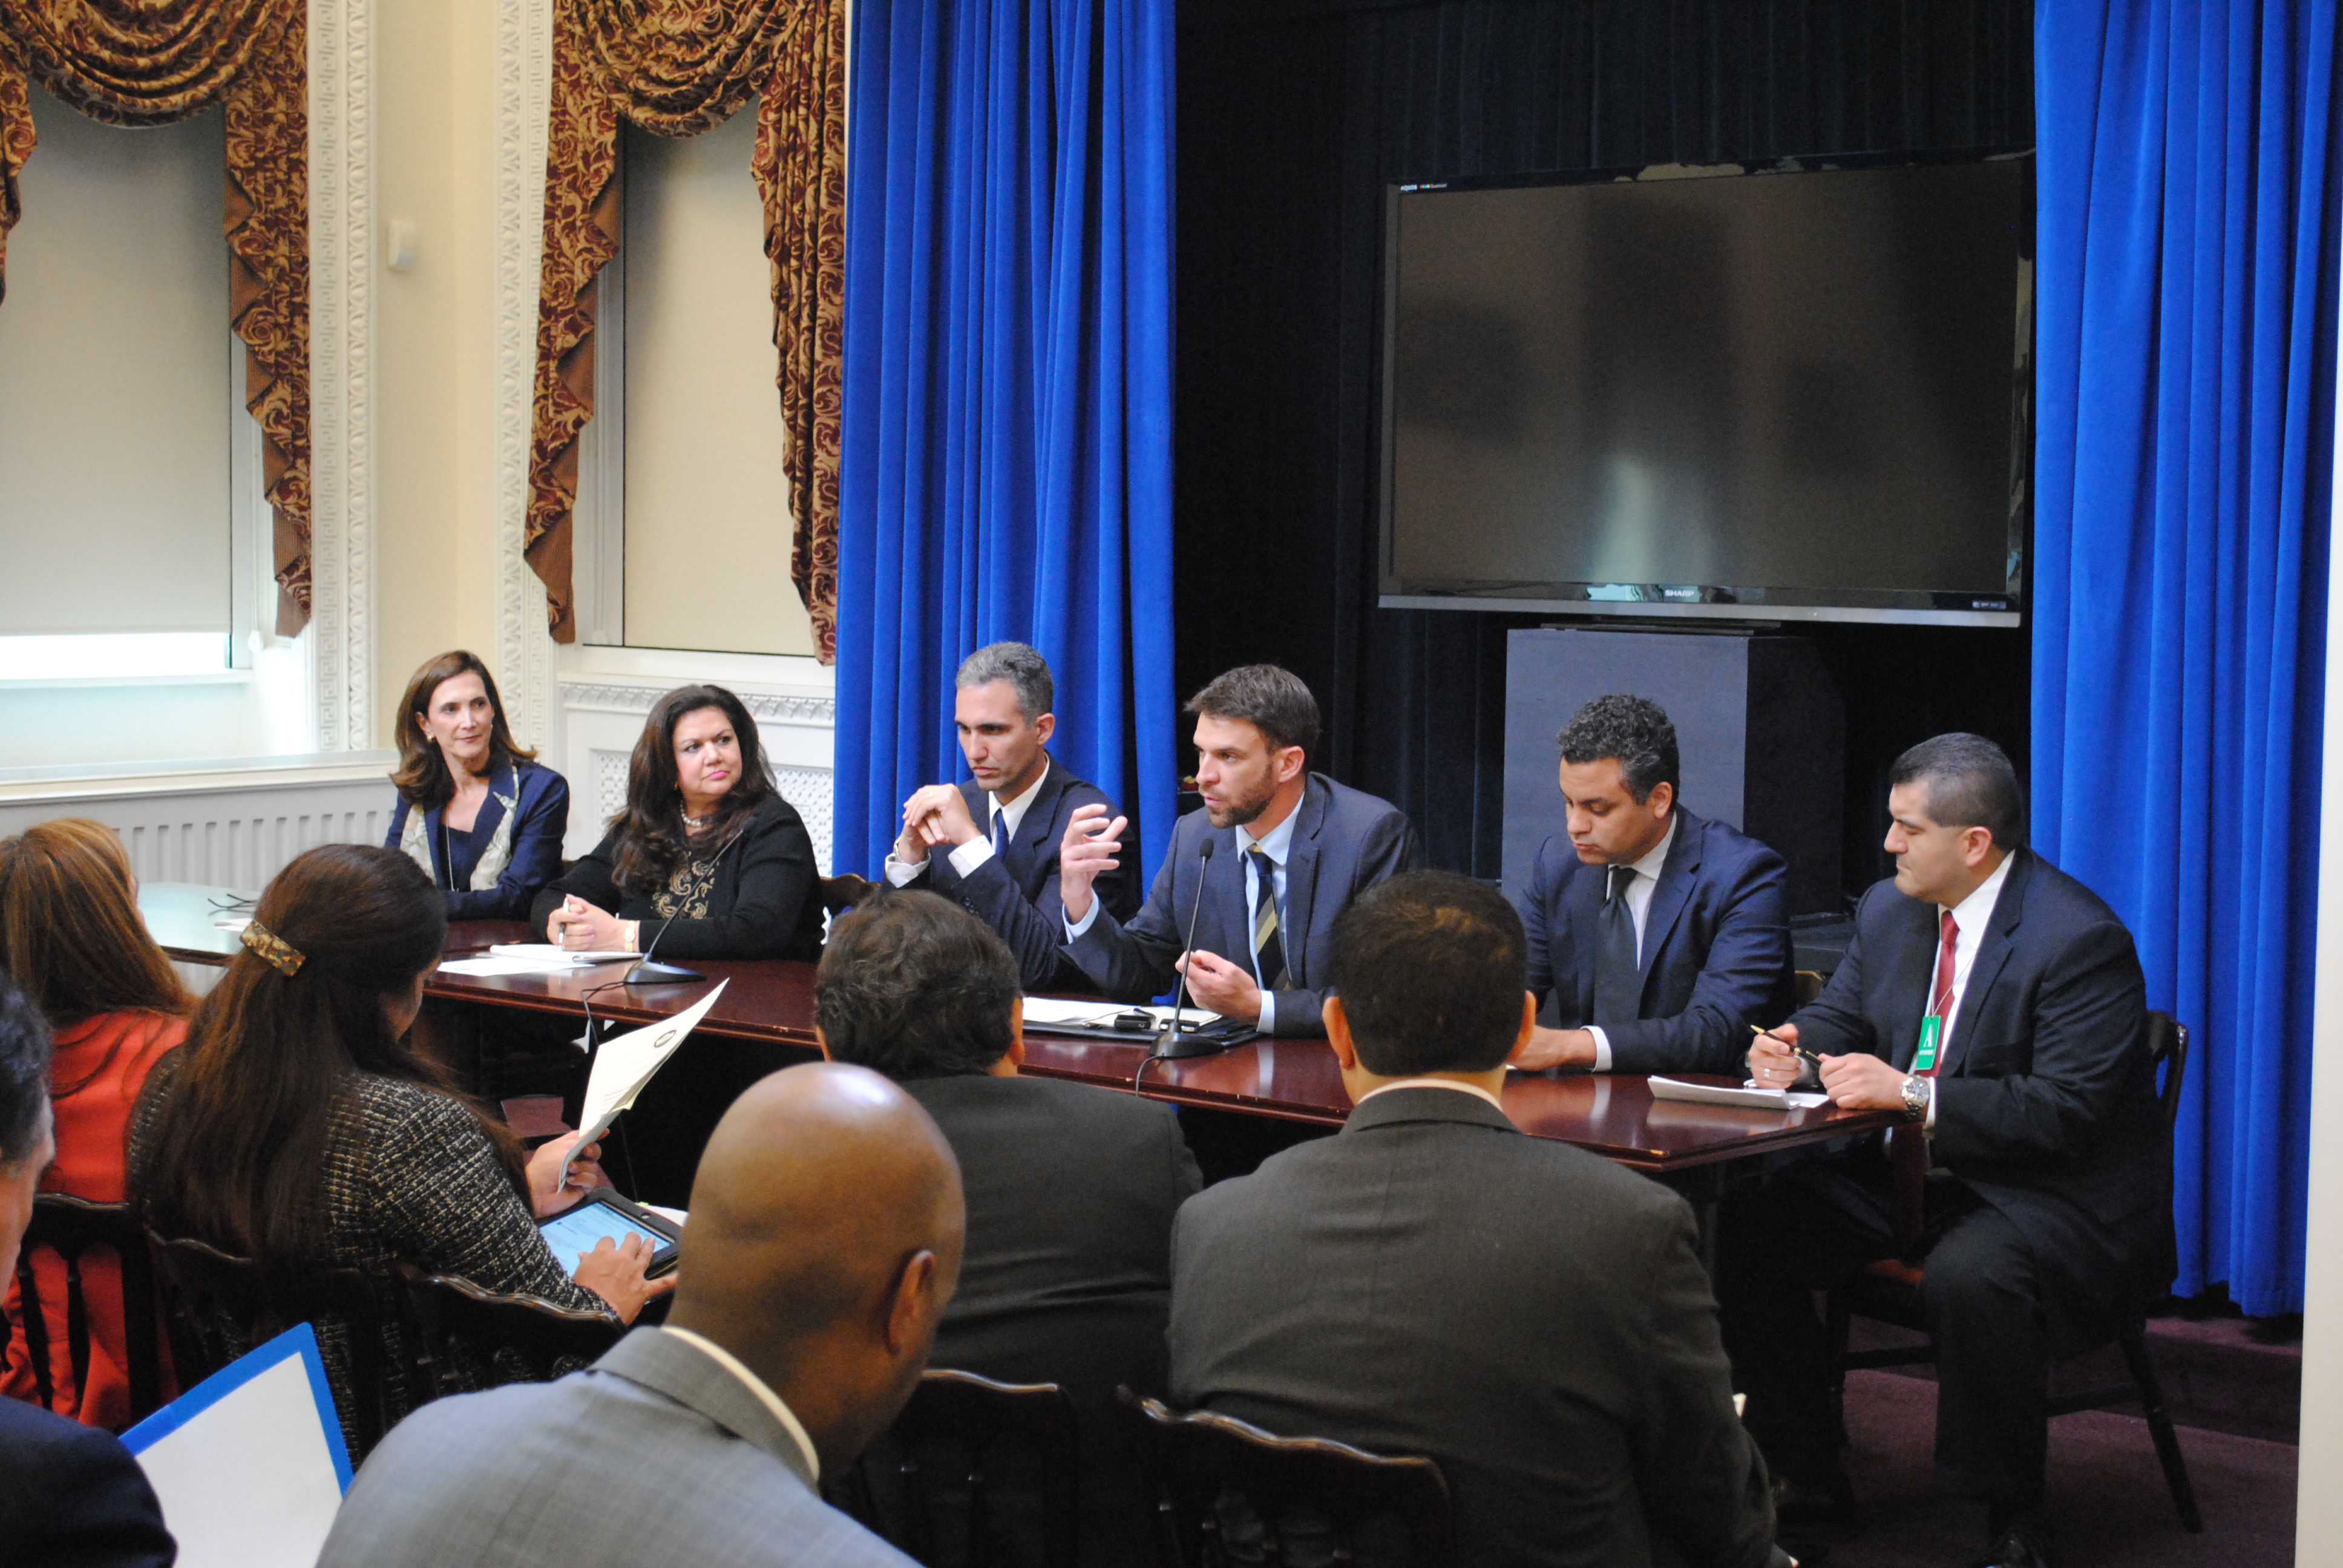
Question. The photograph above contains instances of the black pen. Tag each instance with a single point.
(1800, 1050)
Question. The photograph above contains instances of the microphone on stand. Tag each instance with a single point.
(646, 972)
(1169, 1044)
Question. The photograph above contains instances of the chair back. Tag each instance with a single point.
(70, 1227)
(844, 891)
(1226, 1493)
(977, 1473)
(222, 1306)
(466, 1331)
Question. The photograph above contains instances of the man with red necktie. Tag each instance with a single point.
(1998, 1004)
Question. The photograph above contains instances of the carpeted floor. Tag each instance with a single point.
(2107, 1495)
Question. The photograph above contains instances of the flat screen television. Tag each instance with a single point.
(1796, 393)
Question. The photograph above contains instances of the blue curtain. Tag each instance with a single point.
(1006, 462)
(2185, 327)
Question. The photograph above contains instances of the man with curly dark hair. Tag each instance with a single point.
(1658, 937)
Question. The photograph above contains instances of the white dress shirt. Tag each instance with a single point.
(1273, 844)
(966, 857)
(1456, 1084)
(1971, 916)
(1645, 881)
(756, 1385)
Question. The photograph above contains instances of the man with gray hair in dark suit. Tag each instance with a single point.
(1431, 1282)
(823, 1244)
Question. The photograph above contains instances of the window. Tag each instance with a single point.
(683, 528)
(138, 539)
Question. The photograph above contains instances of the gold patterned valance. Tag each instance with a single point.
(679, 68)
(152, 62)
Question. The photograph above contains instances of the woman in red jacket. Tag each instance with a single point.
(71, 937)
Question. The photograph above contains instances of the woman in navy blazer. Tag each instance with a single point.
(474, 809)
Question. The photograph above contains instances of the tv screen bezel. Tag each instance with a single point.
(1719, 601)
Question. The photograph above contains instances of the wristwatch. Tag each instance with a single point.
(1918, 1092)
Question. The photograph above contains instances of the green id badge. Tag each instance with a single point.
(1924, 1059)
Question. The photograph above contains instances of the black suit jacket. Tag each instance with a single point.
(70, 1494)
(2045, 1097)
(1016, 892)
(1344, 842)
(763, 902)
(1528, 1314)
(1716, 954)
(1066, 1276)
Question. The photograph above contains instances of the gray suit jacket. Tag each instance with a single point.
(653, 1455)
(1344, 842)
(1531, 1316)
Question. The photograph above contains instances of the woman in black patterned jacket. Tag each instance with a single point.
(298, 1126)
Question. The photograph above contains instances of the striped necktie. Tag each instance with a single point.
(1268, 951)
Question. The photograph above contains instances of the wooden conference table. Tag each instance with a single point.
(770, 1004)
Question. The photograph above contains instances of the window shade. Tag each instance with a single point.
(707, 508)
(116, 389)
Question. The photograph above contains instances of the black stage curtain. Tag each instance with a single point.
(1292, 116)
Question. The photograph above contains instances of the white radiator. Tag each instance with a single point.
(231, 825)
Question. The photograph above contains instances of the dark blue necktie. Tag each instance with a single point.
(1618, 987)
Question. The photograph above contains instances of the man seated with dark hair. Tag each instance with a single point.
(1997, 1004)
(1660, 935)
(1066, 1278)
(991, 845)
(68, 1492)
(1431, 1282)
(1288, 850)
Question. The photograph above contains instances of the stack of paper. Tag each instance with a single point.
(1042, 1011)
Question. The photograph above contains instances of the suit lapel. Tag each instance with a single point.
(1039, 824)
(1914, 967)
(1675, 891)
(1302, 879)
(1993, 953)
(1583, 899)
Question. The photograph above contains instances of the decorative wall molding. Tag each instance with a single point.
(524, 44)
(341, 367)
(772, 707)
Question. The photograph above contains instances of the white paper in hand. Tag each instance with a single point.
(627, 1062)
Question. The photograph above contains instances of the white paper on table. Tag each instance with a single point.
(249, 1465)
(1750, 1096)
(627, 1062)
(507, 966)
(1040, 1010)
(547, 953)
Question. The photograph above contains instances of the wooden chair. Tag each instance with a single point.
(974, 1472)
(1808, 985)
(70, 1227)
(843, 892)
(1226, 1493)
(221, 1307)
(464, 1332)
(1889, 1292)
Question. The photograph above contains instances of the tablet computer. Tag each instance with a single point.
(603, 1212)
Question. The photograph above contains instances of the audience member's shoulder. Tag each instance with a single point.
(51, 1468)
(1088, 1105)
(395, 1116)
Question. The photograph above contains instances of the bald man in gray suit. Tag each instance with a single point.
(823, 1244)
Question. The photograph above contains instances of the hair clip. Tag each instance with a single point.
(280, 955)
